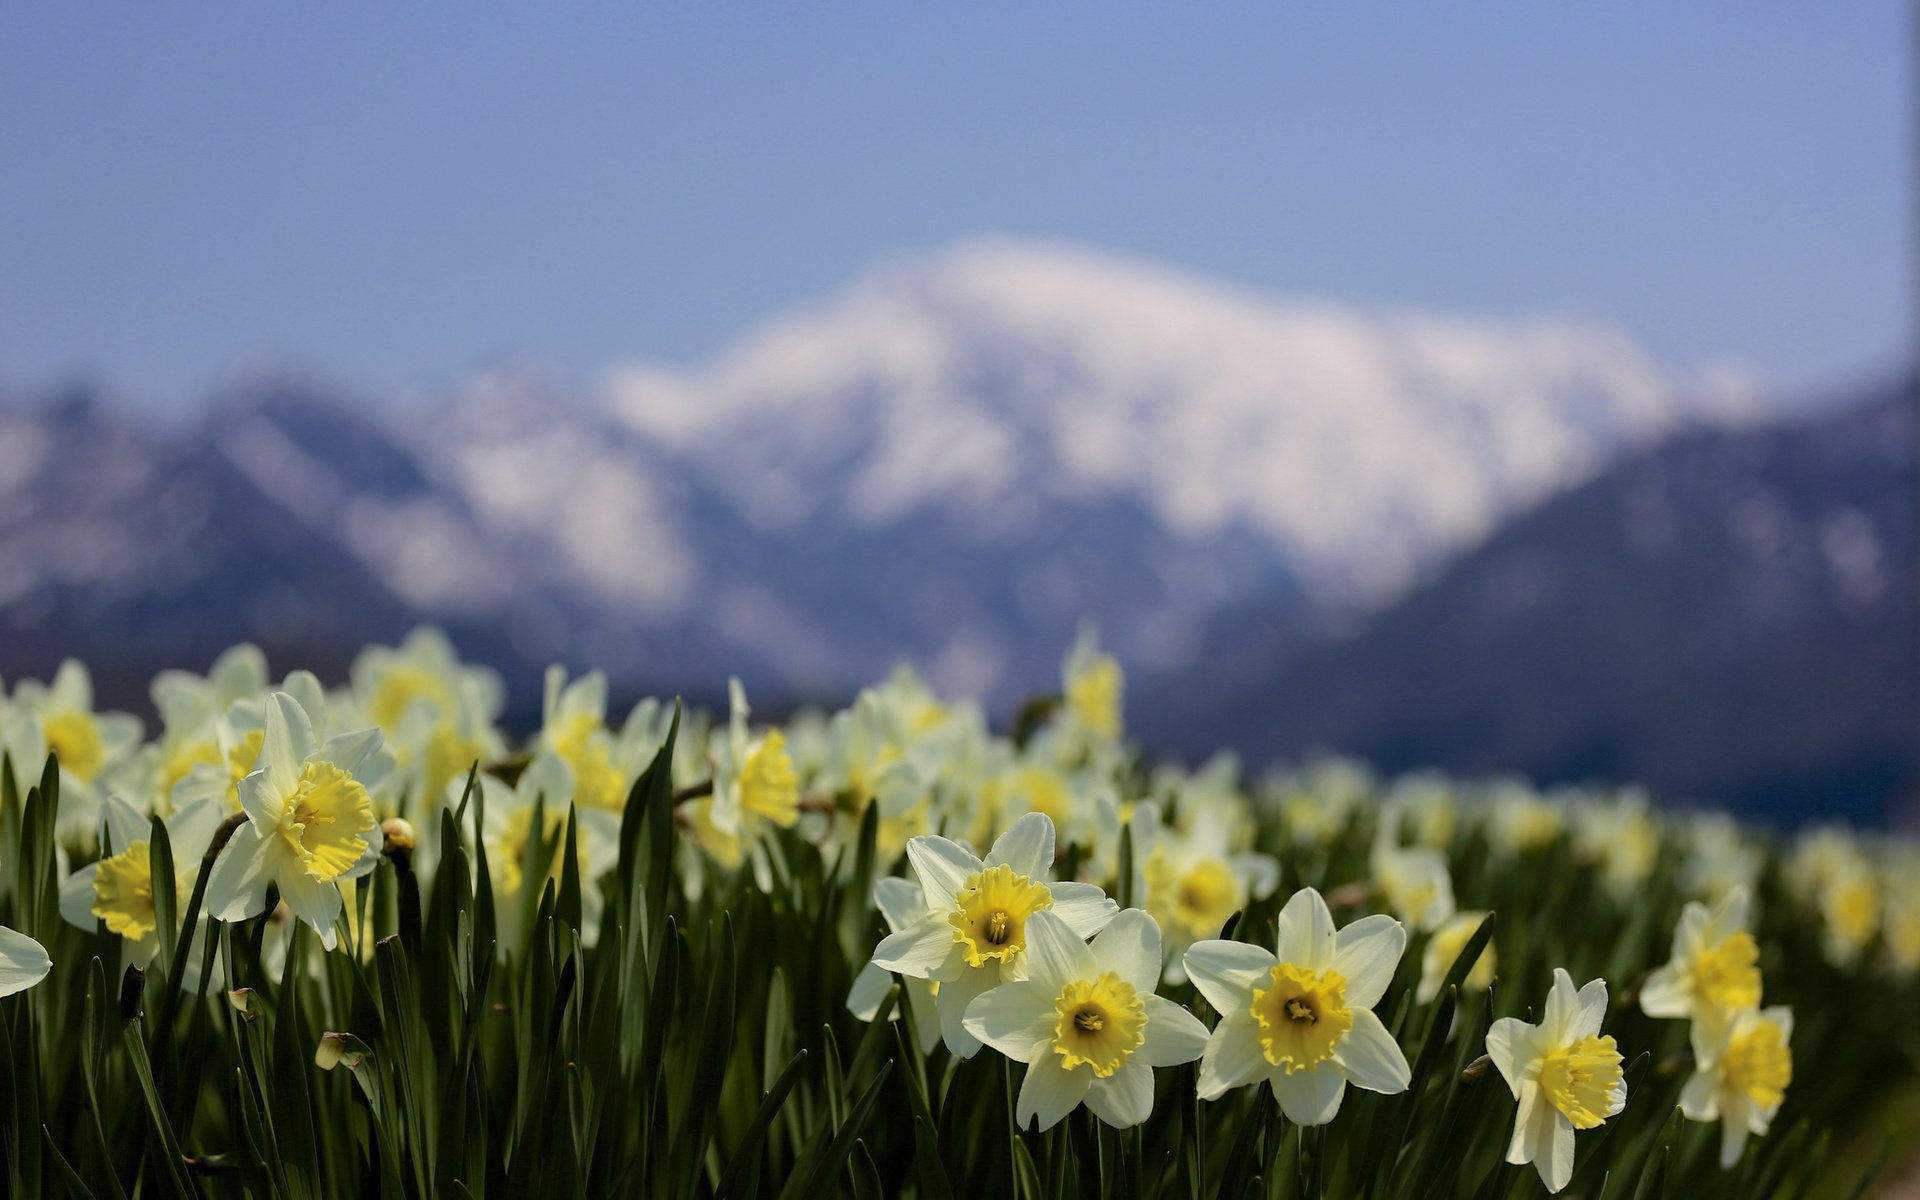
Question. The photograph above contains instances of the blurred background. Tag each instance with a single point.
(1494, 388)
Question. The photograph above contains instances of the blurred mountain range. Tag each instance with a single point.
(954, 460)
(1731, 615)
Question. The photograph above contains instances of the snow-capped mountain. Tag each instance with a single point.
(954, 460)
(1730, 615)
(999, 377)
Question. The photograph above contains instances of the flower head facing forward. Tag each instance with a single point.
(1565, 1075)
(310, 823)
(974, 929)
(1301, 1017)
(1086, 1021)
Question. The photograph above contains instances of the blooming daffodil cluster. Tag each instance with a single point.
(972, 932)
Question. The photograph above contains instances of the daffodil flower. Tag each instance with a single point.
(754, 787)
(1744, 1081)
(58, 718)
(1192, 880)
(1086, 1021)
(972, 933)
(1565, 1075)
(1414, 882)
(118, 890)
(1443, 947)
(23, 962)
(1092, 689)
(310, 823)
(1302, 1017)
(901, 903)
(544, 787)
(192, 711)
(1713, 972)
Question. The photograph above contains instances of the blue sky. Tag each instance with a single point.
(401, 194)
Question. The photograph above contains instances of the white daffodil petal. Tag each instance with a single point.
(1370, 1057)
(1083, 906)
(1508, 1044)
(260, 801)
(124, 825)
(952, 1000)
(1520, 1144)
(943, 867)
(1013, 1018)
(350, 751)
(1055, 956)
(237, 886)
(1590, 1009)
(1026, 846)
(1563, 1004)
(76, 898)
(1049, 1092)
(1553, 1147)
(23, 962)
(900, 901)
(1307, 937)
(1227, 972)
(868, 990)
(1367, 953)
(1664, 994)
(1309, 1097)
(1699, 1100)
(1125, 1098)
(924, 950)
(926, 1013)
(1130, 947)
(316, 903)
(1733, 1143)
(1232, 1056)
(288, 743)
(1173, 1035)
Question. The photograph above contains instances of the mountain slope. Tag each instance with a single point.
(1731, 615)
(999, 377)
(954, 461)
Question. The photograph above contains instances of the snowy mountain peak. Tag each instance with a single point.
(1361, 444)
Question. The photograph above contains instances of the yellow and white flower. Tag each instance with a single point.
(972, 932)
(1713, 971)
(310, 823)
(1093, 693)
(901, 904)
(1618, 833)
(526, 824)
(23, 961)
(1192, 881)
(1564, 1074)
(573, 726)
(435, 712)
(192, 711)
(754, 788)
(117, 890)
(1086, 1022)
(1444, 947)
(1415, 883)
(1742, 1081)
(57, 718)
(1302, 1017)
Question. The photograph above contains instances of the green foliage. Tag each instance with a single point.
(701, 1046)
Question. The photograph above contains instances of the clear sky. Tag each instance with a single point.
(399, 194)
